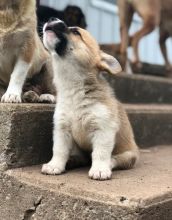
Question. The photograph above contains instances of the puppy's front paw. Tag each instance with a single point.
(47, 98)
(100, 173)
(11, 98)
(52, 169)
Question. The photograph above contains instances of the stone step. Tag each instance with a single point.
(26, 131)
(134, 89)
(143, 193)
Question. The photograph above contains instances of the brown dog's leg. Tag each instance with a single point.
(150, 13)
(125, 15)
(162, 39)
(146, 29)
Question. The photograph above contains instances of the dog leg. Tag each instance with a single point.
(46, 83)
(124, 160)
(126, 152)
(146, 29)
(61, 152)
(162, 39)
(125, 15)
(18, 76)
(149, 11)
(103, 144)
(62, 145)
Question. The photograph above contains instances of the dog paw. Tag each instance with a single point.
(51, 169)
(30, 97)
(11, 98)
(47, 98)
(98, 173)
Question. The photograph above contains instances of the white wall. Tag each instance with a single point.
(103, 23)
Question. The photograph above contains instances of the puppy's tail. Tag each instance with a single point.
(125, 160)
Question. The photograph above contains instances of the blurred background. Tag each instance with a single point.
(103, 22)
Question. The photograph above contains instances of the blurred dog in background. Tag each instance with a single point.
(149, 11)
(22, 54)
(154, 13)
(71, 15)
(165, 29)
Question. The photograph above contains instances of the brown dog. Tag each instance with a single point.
(22, 54)
(153, 13)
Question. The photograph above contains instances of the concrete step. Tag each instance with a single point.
(26, 131)
(134, 89)
(143, 193)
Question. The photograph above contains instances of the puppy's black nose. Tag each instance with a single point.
(60, 26)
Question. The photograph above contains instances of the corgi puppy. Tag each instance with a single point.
(22, 54)
(88, 116)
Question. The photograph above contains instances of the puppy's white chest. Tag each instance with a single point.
(82, 118)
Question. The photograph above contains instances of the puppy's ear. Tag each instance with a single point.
(109, 64)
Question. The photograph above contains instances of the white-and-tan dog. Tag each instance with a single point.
(87, 116)
(22, 54)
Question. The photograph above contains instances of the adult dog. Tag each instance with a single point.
(88, 116)
(154, 13)
(22, 54)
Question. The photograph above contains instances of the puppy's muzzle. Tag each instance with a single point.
(56, 25)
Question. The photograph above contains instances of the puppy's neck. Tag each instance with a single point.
(68, 74)
(77, 85)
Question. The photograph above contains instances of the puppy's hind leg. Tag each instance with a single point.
(126, 151)
(125, 160)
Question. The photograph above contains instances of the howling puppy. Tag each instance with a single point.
(87, 117)
(22, 54)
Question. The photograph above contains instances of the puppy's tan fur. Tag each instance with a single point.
(20, 45)
(154, 13)
(88, 116)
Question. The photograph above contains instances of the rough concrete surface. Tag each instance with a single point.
(131, 88)
(143, 193)
(26, 131)
(25, 134)
(152, 124)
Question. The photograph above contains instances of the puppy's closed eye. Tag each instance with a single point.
(75, 31)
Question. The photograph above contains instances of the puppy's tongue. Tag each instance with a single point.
(50, 35)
